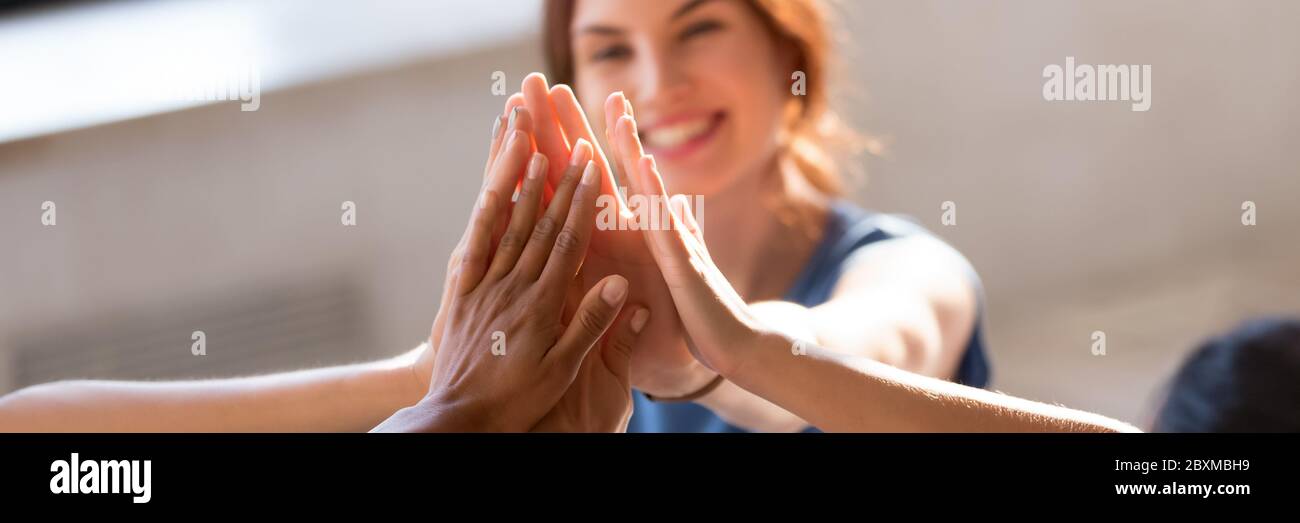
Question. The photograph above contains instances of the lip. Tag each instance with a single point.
(691, 146)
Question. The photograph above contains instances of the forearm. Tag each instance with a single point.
(745, 409)
(836, 392)
(343, 398)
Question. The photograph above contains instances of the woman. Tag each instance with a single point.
(833, 391)
(712, 84)
(711, 80)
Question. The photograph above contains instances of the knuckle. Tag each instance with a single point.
(568, 241)
(512, 239)
(593, 321)
(545, 228)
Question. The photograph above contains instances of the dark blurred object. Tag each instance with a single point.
(9, 7)
(1247, 380)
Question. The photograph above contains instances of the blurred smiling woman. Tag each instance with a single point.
(711, 81)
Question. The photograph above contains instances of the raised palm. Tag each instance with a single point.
(661, 362)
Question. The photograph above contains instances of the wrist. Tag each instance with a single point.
(440, 413)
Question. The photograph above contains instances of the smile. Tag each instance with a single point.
(682, 136)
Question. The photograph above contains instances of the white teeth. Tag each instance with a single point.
(676, 134)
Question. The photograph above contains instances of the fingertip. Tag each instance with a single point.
(615, 100)
(614, 291)
(581, 153)
(515, 100)
(629, 122)
(639, 320)
(534, 79)
(614, 108)
(536, 166)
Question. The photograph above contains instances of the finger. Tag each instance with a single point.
(500, 134)
(682, 207)
(474, 262)
(571, 243)
(576, 126)
(504, 181)
(522, 219)
(550, 138)
(508, 169)
(667, 245)
(615, 108)
(628, 145)
(538, 250)
(500, 129)
(617, 353)
(595, 314)
(479, 243)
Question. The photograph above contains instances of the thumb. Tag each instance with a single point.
(595, 314)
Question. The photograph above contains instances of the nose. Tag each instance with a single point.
(662, 81)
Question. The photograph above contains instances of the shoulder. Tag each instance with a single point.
(894, 253)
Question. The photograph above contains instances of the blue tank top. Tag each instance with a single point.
(848, 229)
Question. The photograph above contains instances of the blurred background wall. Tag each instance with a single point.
(1080, 217)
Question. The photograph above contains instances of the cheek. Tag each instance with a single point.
(747, 79)
(591, 96)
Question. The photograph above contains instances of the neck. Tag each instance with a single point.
(758, 233)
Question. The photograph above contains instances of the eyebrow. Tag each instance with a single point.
(611, 30)
(690, 6)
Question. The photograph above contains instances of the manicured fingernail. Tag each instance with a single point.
(578, 154)
(627, 105)
(514, 114)
(639, 318)
(536, 165)
(614, 290)
(496, 127)
(589, 174)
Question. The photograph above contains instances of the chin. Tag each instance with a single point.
(696, 180)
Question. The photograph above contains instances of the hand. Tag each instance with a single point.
(600, 398)
(505, 359)
(719, 324)
(661, 363)
(514, 118)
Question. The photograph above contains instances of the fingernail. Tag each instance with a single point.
(578, 153)
(589, 174)
(496, 127)
(614, 290)
(639, 318)
(627, 104)
(536, 166)
(514, 114)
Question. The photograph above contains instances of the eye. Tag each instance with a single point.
(612, 52)
(700, 28)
